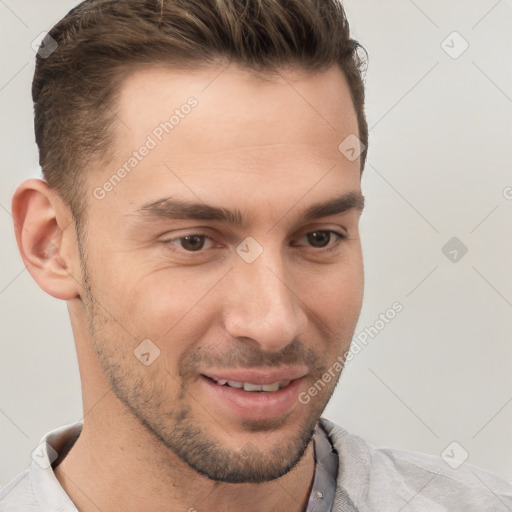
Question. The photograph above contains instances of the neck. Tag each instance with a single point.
(131, 470)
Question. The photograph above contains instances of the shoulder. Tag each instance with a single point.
(17, 496)
(388, 476)
(36, 488)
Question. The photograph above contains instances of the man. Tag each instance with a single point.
(201, 221)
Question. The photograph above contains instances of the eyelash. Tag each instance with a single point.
(339, 237)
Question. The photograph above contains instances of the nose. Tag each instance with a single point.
(262, 303)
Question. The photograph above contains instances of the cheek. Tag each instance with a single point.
(335, 301)
(172, 309)
(337, 293)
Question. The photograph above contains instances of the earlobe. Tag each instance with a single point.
(46, 239)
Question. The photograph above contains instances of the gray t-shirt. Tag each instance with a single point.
(367, 479)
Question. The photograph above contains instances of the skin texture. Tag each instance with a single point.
(155, 437)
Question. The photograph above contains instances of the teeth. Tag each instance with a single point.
(251, 387)
(270, 387)
(248, 386)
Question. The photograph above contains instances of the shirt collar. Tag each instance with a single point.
(321, 498)
(46, 488)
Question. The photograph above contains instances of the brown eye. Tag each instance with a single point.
(321, 239)
(190, 243)
(193, 243)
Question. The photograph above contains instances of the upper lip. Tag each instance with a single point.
(257, 376)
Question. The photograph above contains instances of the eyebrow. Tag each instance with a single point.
(178, 209)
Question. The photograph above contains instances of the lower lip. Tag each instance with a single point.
(255, 405)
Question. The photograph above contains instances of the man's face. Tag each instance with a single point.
(276, 309)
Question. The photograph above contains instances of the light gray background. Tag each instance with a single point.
(439, 166)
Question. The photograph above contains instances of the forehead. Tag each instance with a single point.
(225, 126)
(234, 103)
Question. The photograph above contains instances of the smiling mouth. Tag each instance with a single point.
(249, 386)
(253, 394)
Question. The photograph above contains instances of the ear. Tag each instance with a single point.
(45, 233)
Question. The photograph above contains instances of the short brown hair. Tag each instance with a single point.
(100, 42)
